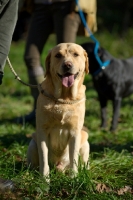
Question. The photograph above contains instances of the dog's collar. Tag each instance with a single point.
(61, 101)
(102, 68)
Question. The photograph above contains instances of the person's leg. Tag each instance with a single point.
(8, 18)
(71, 24)
(66, 22)
(40, 28)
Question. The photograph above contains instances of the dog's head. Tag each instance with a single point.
(102, 53)
(67, 63)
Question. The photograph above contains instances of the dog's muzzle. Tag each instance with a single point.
(67, 77)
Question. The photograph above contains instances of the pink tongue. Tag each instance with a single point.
(68, 81)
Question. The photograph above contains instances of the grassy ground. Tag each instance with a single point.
(111, 158)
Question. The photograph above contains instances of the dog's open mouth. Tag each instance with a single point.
(68, 79)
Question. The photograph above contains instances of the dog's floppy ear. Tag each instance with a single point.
(47, 64)
(86, 62)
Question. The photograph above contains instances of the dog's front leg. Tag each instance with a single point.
(103, 105)
(74, 147)
(42, 143)
(116, 109)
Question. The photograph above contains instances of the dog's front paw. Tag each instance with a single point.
(71, 172)
(103, 126)
(112, 129)
(44, 171)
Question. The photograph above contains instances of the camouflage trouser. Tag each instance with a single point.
(8, 17)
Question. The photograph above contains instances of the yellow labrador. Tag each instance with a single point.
(59, 137)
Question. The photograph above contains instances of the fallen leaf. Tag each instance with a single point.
(124, 190)
(101, 187)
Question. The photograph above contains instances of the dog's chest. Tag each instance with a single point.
(58, 141)
(59, 112)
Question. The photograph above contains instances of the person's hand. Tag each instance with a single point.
(1, 76)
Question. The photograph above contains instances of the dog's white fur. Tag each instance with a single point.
(59, 137)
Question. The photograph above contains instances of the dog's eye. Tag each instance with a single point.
(58, 55)
(75, 55)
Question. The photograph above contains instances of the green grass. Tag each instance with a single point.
(111, 158)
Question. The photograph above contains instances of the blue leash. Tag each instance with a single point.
(102, 64)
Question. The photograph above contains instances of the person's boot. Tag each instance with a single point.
(30, 118)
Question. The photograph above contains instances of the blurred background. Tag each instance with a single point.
(115, 16)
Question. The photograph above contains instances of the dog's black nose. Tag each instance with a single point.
(67, 66)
